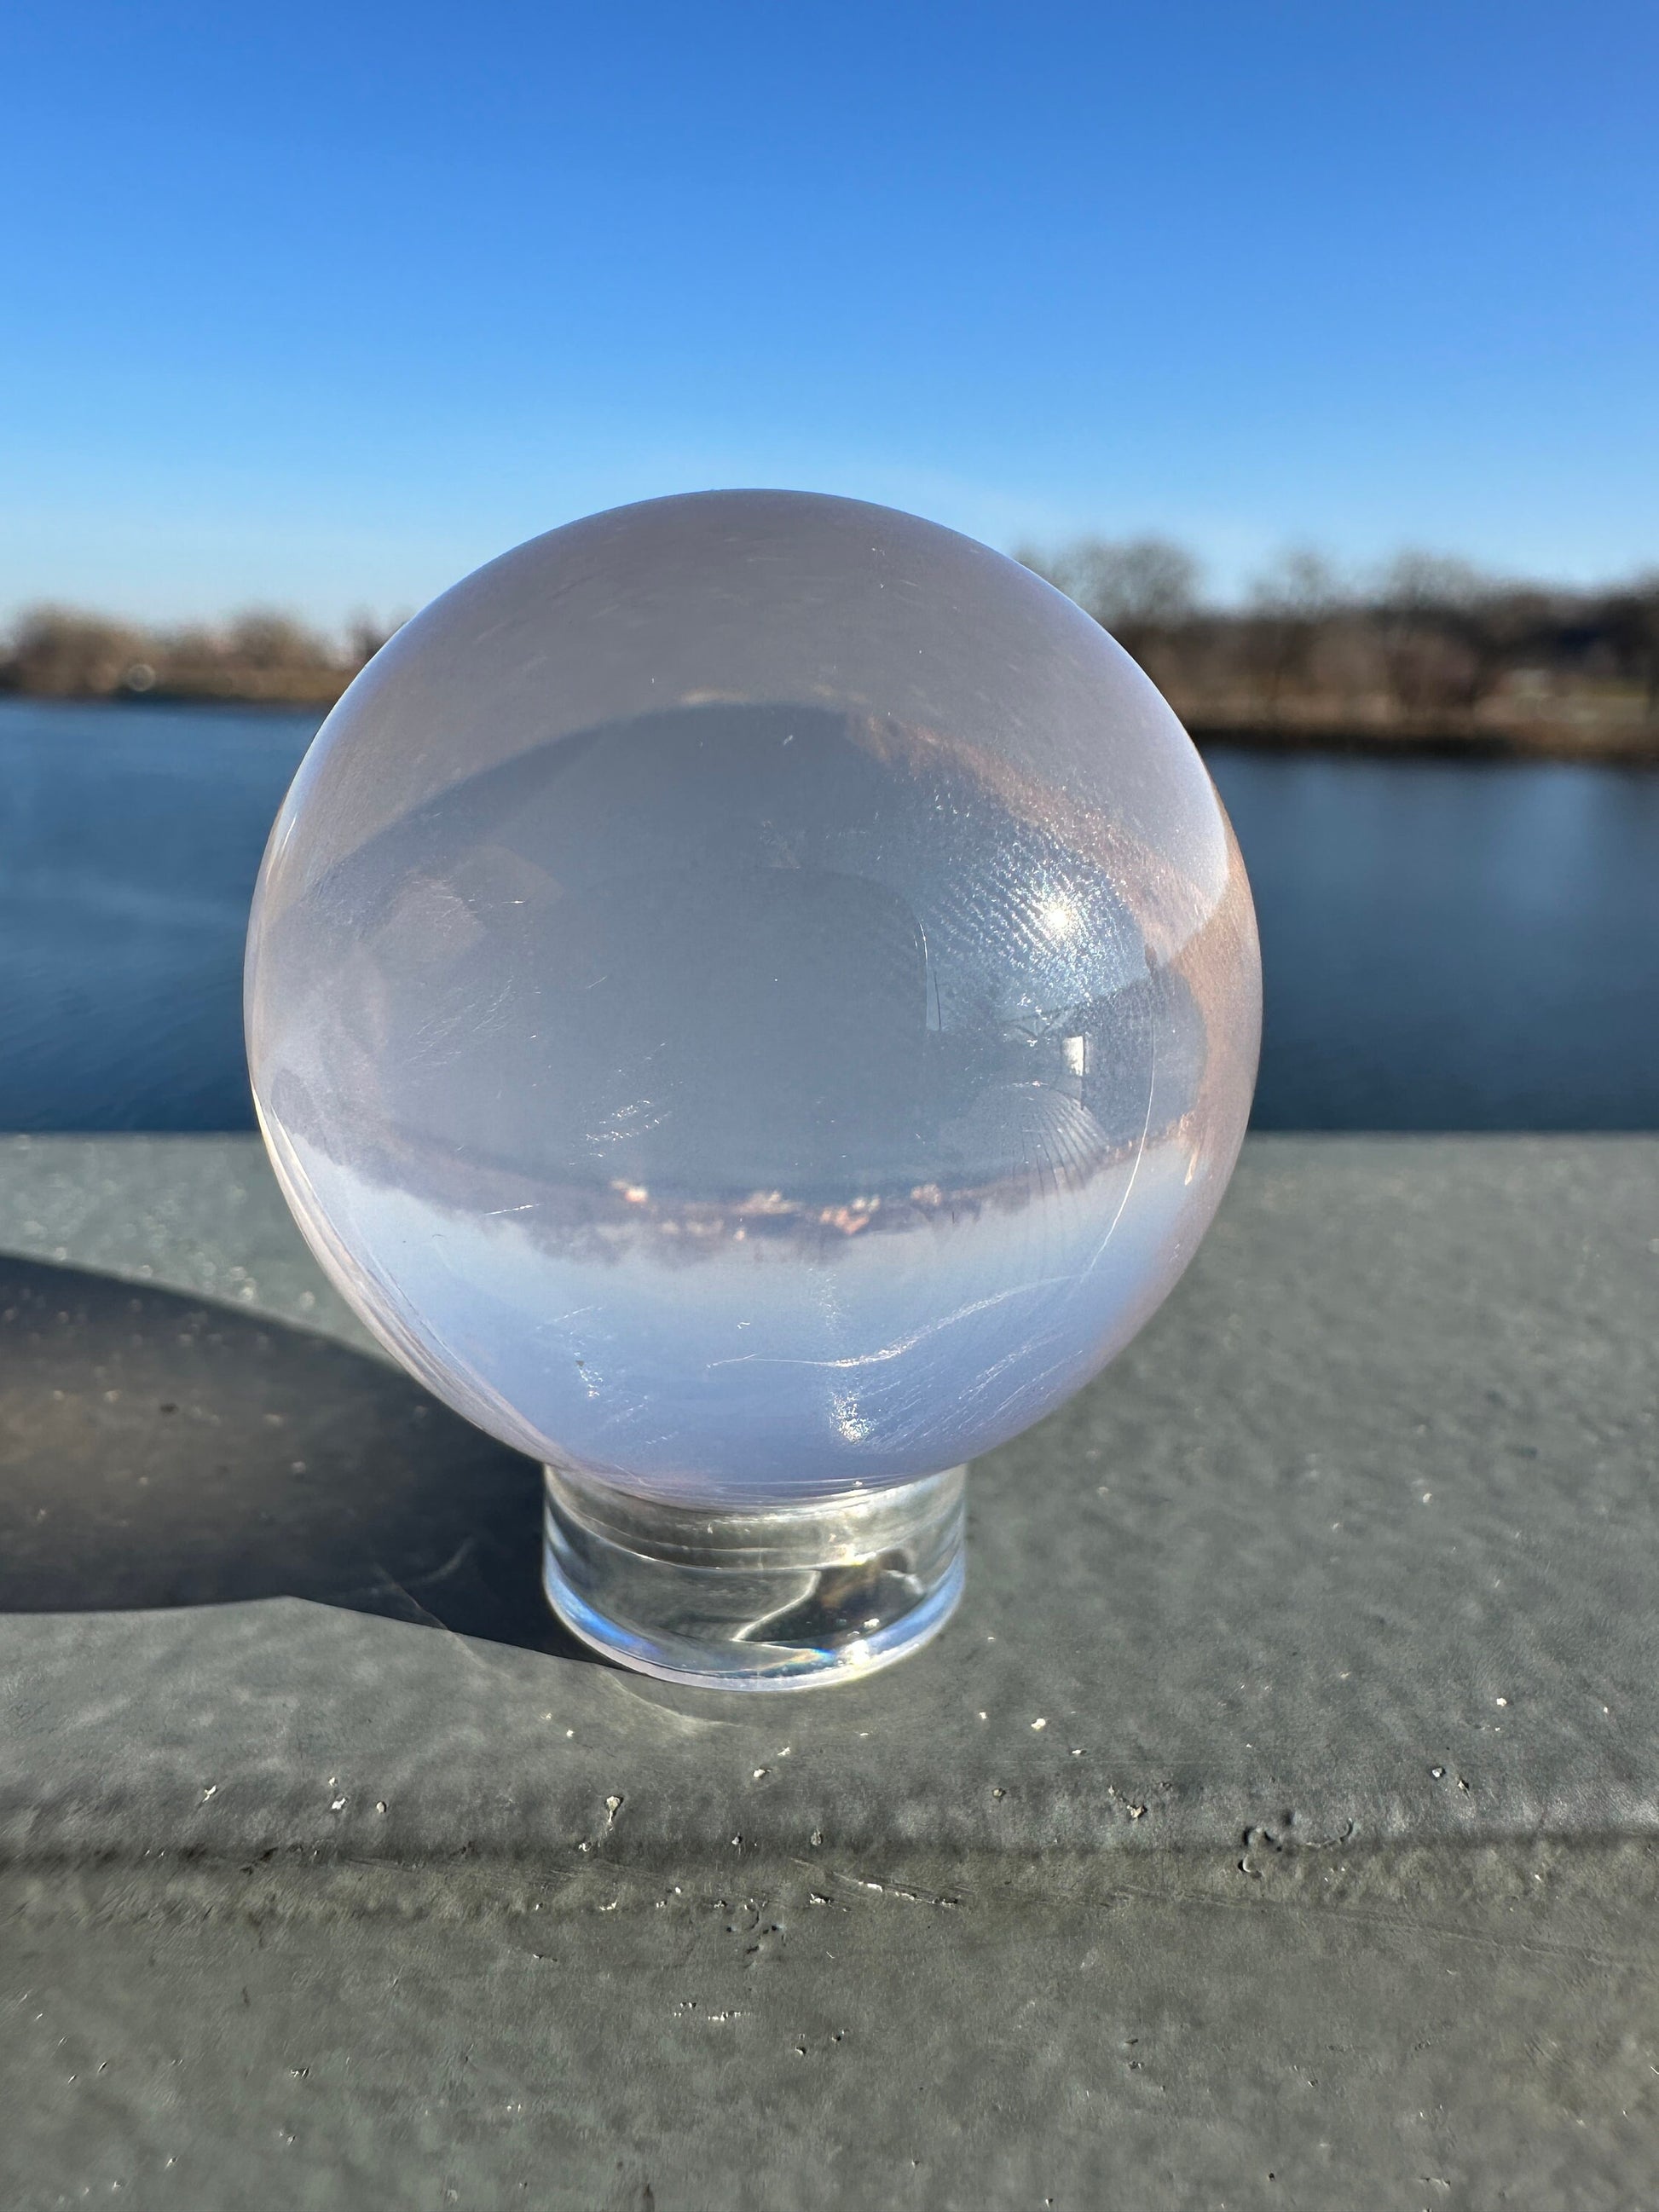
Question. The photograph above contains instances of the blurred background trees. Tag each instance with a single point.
(1428, 648)
(59, 652)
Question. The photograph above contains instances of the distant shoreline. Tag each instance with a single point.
(273, 702)
(1607, 745)
(1433, 662)
(1604, 742)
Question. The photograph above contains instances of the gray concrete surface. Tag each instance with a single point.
(1453, 2027)
(1276, 1823)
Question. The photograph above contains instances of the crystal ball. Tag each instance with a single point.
(752, 997)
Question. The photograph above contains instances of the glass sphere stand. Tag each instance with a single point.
(739, 1598)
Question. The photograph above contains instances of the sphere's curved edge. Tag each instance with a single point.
(988, 975)
(707, 495)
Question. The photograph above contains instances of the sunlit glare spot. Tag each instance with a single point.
(848, 1420)
(1059, 917)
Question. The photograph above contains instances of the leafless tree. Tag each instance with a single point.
(1143, 590)
(57, 653)
(264, 641)
(1632, 617)
(1291, 604)
(1438, 619)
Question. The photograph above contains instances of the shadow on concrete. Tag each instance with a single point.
(156, 1451)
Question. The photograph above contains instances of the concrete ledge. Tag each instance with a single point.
(1277, 1825)
(1359, 1541)
(1458, 2027)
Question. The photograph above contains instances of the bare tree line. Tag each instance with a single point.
(1427, 646)
(57, 653)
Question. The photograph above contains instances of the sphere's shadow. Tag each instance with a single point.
(156, 1451)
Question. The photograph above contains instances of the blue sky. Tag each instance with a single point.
(322, 305)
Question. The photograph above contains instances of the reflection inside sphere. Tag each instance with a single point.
(754, 1096)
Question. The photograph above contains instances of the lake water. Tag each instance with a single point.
(1446, 946)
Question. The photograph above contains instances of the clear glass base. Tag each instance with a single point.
(735, 1599)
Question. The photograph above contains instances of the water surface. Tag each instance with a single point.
(1446, 946)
